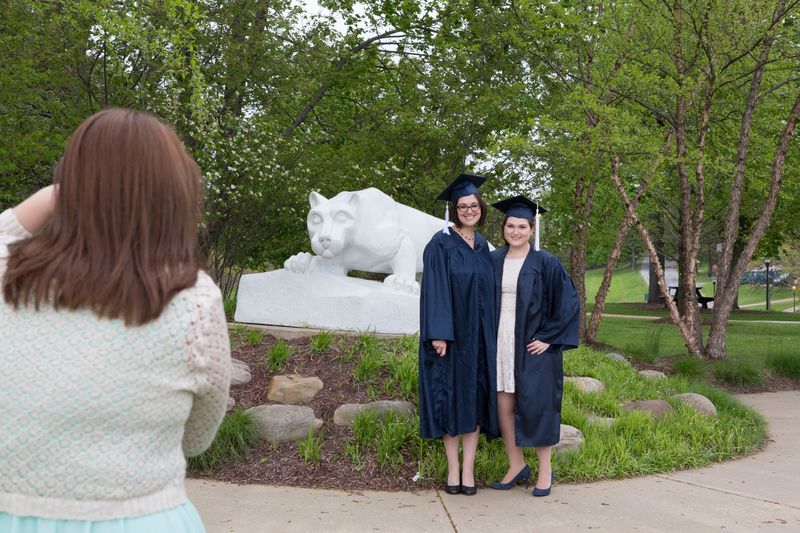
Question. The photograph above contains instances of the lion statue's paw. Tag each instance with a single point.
(402, 284)
(299, 263)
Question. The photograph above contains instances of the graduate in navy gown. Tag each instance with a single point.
(538, 315)
(457, 395)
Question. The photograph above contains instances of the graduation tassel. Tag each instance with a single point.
(446, 229)
(536, 231)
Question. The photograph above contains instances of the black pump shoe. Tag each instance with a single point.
(525, 474)
(545, 492)
(452, 489)
(468, 491)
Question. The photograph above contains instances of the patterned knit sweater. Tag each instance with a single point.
(95, 416)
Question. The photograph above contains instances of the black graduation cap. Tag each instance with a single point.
(463, 185)
(522, 207)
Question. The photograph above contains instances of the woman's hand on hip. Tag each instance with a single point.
(537, 347)
(440, 347)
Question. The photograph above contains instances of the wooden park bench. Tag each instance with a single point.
(701, 300)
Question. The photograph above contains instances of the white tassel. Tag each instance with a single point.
(446, 229)
(536, 233)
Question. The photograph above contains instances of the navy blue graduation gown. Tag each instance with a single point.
(547, 310)
(457, 392)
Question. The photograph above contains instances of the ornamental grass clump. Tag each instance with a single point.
(737, 373)
(321, 341)
(785, 363)
(310, 448)
(235, 435)
(689, 367)
(278, 354)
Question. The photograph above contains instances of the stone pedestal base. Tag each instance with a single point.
(325, 301)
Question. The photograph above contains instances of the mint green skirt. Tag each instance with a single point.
(181, 519)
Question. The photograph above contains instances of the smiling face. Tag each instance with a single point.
(517, 231)
(468, 210)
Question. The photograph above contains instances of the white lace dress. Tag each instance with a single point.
(505, 330)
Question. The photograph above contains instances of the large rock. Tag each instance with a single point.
(570, 439)
(586, 384)
(658, 408)
(284, 423)
(346, 413)
(698, 402)
(240, 373)
(293, 389)
(618, 357)
(653, 374)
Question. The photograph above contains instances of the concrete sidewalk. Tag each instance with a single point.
(758, 492)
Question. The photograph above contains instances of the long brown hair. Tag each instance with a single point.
(122, 238)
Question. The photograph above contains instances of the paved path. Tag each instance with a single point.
(758, 492)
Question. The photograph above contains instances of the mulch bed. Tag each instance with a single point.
(281, 464)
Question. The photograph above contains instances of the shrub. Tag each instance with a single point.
(234, 436)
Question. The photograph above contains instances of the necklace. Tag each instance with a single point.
(468, 238)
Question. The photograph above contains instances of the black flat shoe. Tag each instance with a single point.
(452, 489)
(468, 491)
(525, 474)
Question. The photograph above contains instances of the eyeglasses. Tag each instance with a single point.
(464, 207)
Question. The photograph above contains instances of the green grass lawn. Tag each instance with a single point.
(629, 286)
(635, 309)
(745, 342)
(626, 285)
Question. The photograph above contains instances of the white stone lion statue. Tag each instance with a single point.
(366, 230)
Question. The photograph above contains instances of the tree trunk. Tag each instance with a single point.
(581, 210)
(653, 295)
(622, 232)
(730, 273)
(686, 333)
(687, 253)
(716, 337)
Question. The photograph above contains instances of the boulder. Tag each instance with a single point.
(284, 423)
(698, 402)
(293, 389)
(240, 373)
(618, 357)
(653, 374)
(586, 384)
(346, 413)
(658, 408)
(570, 440)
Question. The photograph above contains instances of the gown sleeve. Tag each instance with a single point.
(436, 306)
(562, 308)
